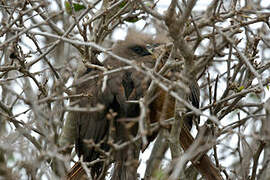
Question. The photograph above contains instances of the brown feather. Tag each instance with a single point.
(120, 87)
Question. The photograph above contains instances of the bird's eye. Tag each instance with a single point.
(139, 50)
(88, 70)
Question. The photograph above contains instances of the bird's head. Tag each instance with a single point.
(137, 46)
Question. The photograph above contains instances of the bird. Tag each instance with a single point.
(117, 95)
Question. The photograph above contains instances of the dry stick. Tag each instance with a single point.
(186, 138)
(34, 40)
(150, 11)
(256, 159)
(201, 162)
(156, 155)
(58, 41)
(255, 88)
(20, 129)
(244, 59)
(215, 147)
(173, 25)
(55, 28)
(160, 145)
(242, 93)
(142, 119)
(208, 170)
(7, 28)
(123, 68)
(264, 171)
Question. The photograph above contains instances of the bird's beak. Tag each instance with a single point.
(155, 49)
(151, 48)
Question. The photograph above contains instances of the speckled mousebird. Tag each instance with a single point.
(118, 115)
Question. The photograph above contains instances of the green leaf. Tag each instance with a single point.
(132, 19)
(68, 7)
(122, 4)
(77, 7)
(240, 88)
(159, 174)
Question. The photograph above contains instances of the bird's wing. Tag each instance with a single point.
(120, 88)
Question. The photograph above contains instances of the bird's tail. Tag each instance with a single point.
(126, 163)
(124, 170)
(76, 173)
